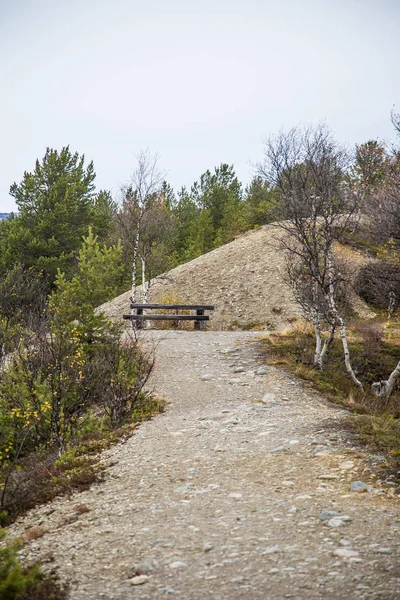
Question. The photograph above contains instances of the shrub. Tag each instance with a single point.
(173, 297)
(13, 581)
(375, 281)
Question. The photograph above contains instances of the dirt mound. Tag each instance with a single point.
(243, 279)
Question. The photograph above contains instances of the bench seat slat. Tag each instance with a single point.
(175, 306)
(152, 317)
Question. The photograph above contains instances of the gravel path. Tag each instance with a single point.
(227, 495)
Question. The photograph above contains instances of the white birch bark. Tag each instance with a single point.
(327, 342)
(144, 286)
(383, 389)
(340, 321)
(134, 264)
(318, 342)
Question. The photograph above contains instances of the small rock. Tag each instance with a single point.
(261, 371)
(344, 542)
(345, 553)
(279, 449)
(182, 489)
(319, 452)
(207, 377)
(139, 580)
(143, 568)
(177, 565)
(287, 483)
(348, 464)
(336, 522)
(235, 495)
(267, 398)
(271, 550)
(359, 486)
(383, 551)
(235, 380)
(326, 515)
(238, 370)
(208, 546)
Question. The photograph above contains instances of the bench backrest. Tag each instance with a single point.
(174, 306)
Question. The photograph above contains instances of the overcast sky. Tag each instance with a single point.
(199, 82)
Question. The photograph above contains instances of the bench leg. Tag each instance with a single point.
(139, 324)
(199, 325)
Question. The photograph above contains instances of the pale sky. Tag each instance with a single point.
(200, 82)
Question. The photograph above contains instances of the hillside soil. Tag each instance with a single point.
(244, 279)
(240, 490)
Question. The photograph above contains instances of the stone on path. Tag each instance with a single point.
(139, 580)
(359, 486)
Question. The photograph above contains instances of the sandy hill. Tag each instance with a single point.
(243, 279)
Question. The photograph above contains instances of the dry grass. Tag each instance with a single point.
(33, 533)
(40, 478)
(374, 350)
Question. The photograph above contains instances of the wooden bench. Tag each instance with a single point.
(199, 318)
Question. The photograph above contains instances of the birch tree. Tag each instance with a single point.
(308, 171)
(138, 196)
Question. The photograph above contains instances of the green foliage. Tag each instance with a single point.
(56, 204)
(70, 363)
(261, 204)
(13, 580)
(98, 278)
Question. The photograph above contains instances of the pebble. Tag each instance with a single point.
(207, 377)
(261, 371)
(238, 370)
(271, 550)
(348, 464)
(139, 580)
(383, 550)
(336, 522)
(320, 452)
(359, 486)
(268, 398)
(326, 515)
(345, 553)
(177, 565)
(143, 568)
(279, 449)
(234, 380)
(181, 489)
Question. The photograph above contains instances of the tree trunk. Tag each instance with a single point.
(383, 389)
(134, 264)
(340, 321)
(145, 288)
(318, 341)
(328, 342)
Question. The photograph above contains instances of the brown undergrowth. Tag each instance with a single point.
(375, 351)
(40, 477)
